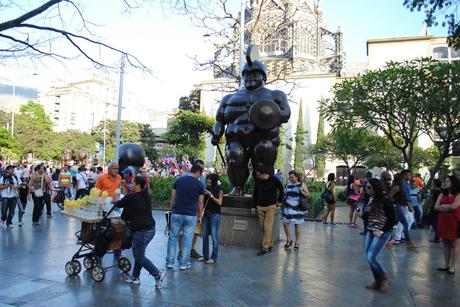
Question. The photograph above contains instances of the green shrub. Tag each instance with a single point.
(226, 186)
(160, 191)
(316, 186)
(342, 195)
(316, 204)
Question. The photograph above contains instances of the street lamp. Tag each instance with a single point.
(14, 96)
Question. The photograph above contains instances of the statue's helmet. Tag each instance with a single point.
(255, 66)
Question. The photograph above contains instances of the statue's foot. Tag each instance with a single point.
(237, 191)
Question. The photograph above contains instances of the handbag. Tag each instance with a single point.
(127, 240)
(327, 196)
(39, 192)
(303, 203)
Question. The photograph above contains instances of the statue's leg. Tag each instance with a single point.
(238, 173)
(264, 153)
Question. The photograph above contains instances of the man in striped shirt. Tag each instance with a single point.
(65, 181)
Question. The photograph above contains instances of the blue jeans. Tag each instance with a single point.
(186, 223)
(8, 206)
(141, 239)
(402, 219)
(210, 226)
(373, 246)
(418, 214)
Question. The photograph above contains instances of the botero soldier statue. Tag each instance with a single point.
(251, 120)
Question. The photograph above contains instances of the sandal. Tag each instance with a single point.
(288, 244)
(296, 246)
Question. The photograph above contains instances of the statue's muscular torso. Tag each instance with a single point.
(233, 113)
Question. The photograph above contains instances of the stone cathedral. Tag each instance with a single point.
(297, 48)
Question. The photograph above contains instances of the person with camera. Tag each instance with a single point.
(24, 196)
(137, 214)
(381, 218)
(8, 185)
(38, 186)
(213, 197)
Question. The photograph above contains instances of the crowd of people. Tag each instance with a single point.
(390, 209)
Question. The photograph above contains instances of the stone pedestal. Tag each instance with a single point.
(239, 227)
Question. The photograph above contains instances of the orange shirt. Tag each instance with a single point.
(418, 183)
(105, 182)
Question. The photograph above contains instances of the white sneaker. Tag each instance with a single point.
(134, 281)
(169, 266)
(210, 261)
(201, 259)
(185, 267)
(21, 223)
(9, 226)
(159, 279)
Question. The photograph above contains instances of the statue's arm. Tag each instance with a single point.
(282, 100)
(219, 126)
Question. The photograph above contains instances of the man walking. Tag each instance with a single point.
(266, 200)
(8, 186)
(187, 205)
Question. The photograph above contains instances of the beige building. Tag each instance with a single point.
(81, 105)
(381, 51)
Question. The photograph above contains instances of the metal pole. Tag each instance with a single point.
(12, 112)
(242, 28)
(120, 100)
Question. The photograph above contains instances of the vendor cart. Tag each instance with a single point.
(98, 235)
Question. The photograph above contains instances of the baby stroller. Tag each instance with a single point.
(97, 239)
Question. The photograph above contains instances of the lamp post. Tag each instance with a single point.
(14, 96)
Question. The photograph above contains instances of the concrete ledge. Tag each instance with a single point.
(239, 227)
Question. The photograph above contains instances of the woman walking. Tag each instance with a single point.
(381, 219)
(403, 212)
(292, 214)
(39, 185)
(448, 206)
(211, 218)
(352, 200)
(435, 192)
(137, 214)
(330, 206)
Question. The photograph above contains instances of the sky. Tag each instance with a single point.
(165, 42)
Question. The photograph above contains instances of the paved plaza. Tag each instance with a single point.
(328, 270)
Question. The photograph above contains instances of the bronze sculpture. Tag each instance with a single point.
(251, 120)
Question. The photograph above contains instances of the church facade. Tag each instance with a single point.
(303, 58)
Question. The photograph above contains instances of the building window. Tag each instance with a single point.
(454, 53)
(440, 53)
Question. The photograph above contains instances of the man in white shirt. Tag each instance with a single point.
(8, 186)
(81, 183)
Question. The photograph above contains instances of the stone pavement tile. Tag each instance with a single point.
(21, 289)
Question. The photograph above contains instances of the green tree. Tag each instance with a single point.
(386, 156)
(33, 131)
(148, 141)
(350, 145)
(448, 9)
(190, 102)
(319, 161)
(76, 141)
(388, 100)
(188, 132)
(129, 133)
(299, 153)
(281, 155)
(440, 109)
(9, 147)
